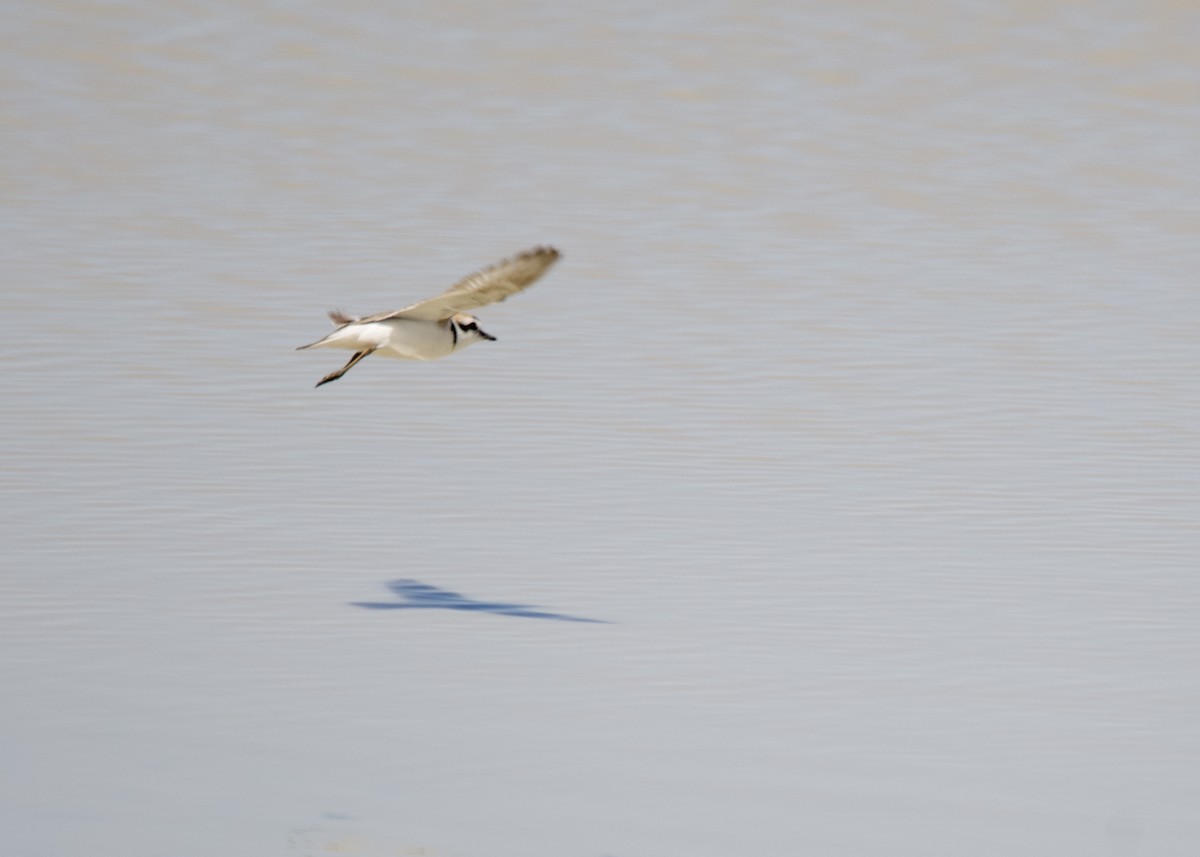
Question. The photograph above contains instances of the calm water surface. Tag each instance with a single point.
(861, 418)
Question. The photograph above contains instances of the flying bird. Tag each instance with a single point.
(438, 326)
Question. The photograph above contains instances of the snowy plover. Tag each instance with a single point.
(439, 326)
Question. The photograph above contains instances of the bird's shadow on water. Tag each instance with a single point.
(415, 595)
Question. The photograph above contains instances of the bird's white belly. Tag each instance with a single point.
(411, 339)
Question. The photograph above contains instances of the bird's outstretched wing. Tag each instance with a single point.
(484, 287)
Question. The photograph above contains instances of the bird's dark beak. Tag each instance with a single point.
(487, 336)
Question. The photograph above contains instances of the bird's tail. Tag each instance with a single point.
(339, 318)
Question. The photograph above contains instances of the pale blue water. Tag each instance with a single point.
(859, 420)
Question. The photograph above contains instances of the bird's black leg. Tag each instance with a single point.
(333, 376)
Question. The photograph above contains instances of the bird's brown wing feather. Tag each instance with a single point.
(484, 287)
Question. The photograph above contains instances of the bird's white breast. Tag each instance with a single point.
(412, 339)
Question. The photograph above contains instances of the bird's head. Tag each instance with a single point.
(469, 330)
